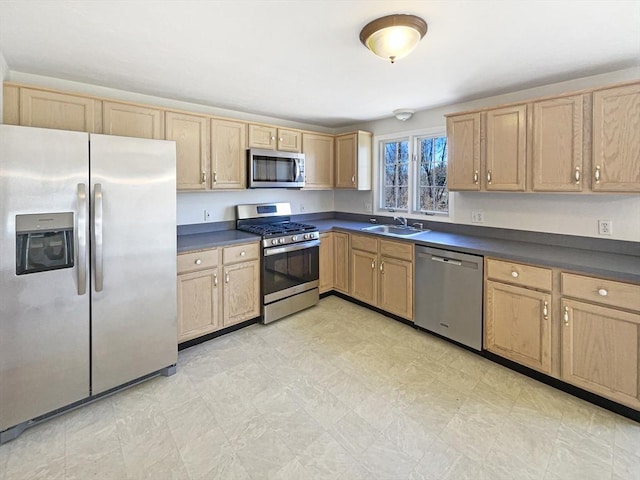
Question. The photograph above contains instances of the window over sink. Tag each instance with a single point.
(413, 174)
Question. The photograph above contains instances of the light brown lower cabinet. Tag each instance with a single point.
(518, 325)
(382, 274)
(217, 288)
(326, 262)
(601, 337)
(341, 262)
(601, 350)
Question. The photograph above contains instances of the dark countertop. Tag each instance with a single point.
(221, 238)
(612, 265)
(621, 267)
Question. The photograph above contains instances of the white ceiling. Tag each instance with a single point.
(302, 60)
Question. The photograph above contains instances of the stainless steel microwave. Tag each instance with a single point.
(273, 169)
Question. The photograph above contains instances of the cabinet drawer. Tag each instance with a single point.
(399, 250)
(368, 244)
(190, 262)
(607, 292)
(240, 253)
(519, 274)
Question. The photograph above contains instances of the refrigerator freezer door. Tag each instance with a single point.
(44, 321)
(134, 313)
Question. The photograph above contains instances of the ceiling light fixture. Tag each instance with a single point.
(394, 36)
(403, 114)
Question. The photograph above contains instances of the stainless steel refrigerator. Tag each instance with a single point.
(87, 268)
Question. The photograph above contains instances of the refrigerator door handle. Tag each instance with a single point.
(97, 231)
(81, 238)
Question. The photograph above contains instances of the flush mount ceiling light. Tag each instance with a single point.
(403, 114)
(394, 36)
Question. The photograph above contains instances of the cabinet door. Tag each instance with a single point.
(557, 145)
(463, 137)
(241, 292)
(616, 139)
(326, 262)
(198, 312)
(341, 262)
(228, 154)
(11, 104)
(56, 110)
(364, 276)
(600, 350)
(128, 120)
(190, 133)
(396, 287)
(289, 140)
(346, 157)
(518, 325)
(506, 148)
(261, 136)
(318, 160)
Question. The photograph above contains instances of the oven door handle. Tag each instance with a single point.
(290, 248)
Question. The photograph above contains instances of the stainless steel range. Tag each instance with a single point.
(290, 258)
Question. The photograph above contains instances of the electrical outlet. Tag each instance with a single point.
(605, 227)
(477, 217)
(207, 215)
(368, 207)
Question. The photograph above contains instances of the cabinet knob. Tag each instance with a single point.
(204, 177)
(515, 274)
(273, 138)
(603, 292)
(596, 174)
(226, 277)
(353, 179)
(475, 177)
(243, 253)
(577, 175)
(565, 316)
(545, 310)
(488, 176)
(215, 177)
(373, 264)
(198, 261)
(280, 139)
(382, 267)
(215, 279)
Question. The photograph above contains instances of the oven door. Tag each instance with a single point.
(289, 270)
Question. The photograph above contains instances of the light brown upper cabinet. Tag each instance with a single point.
(40, 108)
(10, 104)
(463, 142)
(228, 154)
(130, 120)
(318, 160)
(557, 145)
(273, 138)
(616, 139)
(191, 134)
(353, 161)
(506, 145)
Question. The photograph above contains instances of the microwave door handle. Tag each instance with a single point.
(296, 169)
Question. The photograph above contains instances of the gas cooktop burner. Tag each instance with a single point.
(275, 229)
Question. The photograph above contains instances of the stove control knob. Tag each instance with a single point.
(305, 236)
(281, 240)
(294, 238)
(274, 241)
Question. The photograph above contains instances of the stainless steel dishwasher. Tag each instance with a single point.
(448, 294)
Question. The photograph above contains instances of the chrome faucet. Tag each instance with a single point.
(402, 220)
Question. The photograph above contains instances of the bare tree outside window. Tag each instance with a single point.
(396, 175)
(433, 195)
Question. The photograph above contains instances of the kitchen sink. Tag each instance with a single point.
(397, 230)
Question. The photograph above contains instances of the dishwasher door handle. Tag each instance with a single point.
(448, 261)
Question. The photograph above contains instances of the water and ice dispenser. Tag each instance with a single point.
(44, 242)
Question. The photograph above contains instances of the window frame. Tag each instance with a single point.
(412, 209)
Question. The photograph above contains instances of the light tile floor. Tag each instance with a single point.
(335, 392)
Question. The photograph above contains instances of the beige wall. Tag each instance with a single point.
(554, 213)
